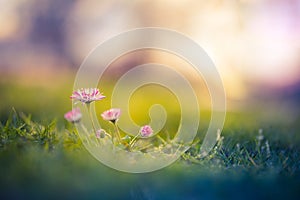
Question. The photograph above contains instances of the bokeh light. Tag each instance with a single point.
(255, 44)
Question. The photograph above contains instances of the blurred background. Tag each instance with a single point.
(255, 44)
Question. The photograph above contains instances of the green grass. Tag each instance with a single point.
(40, 160)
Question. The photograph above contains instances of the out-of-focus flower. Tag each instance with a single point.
(146, 131)
(73, 116)
(112, 114)
(100, 133)
(87, 95)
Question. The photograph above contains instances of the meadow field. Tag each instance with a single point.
(242, 55)
(42, 157)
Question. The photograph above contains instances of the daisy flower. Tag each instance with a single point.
(73, 116)
(146, 131)
(112, 114)
(87, 95)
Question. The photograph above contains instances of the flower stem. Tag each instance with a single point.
(132, 142)
(117, 133)
(84, 129)
(113, 137)
(90, 115)
(86, 135)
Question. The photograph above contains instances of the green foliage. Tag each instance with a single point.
(258, 154)
(20, 131)
(40, 161)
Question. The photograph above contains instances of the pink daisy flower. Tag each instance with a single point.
(111, 115)
(146, 131)
(73, 116)
(87, 95)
